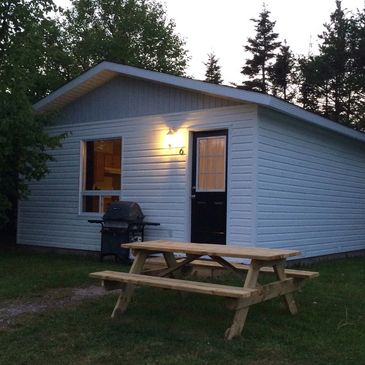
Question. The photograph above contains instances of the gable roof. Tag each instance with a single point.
(105, 71)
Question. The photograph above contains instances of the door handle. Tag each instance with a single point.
(193, 196)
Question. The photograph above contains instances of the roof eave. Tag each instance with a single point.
(110, 69)
(299, 113)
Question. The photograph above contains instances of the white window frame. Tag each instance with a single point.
(99, 193)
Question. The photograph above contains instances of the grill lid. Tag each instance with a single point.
(124, 211)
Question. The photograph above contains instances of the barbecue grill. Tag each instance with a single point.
(123, 222)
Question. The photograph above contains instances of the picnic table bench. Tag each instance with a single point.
(241, 298)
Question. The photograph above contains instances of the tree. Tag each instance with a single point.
(357, 44)
(307, 83)
(132, 32)
(332, 82)
(31, 64)
(282, 73)
(24, 151)
(337, 67)
(42, 47)
(31, 47)
(213, 73)
(262, 48)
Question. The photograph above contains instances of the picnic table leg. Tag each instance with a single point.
(288, 298)
(126, 293)
(170, 260)
(241, 313)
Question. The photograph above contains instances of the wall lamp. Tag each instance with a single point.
(175, 140)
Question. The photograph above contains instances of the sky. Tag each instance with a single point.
(223, 26)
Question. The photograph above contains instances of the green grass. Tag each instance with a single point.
(163, 327)
(23, 274)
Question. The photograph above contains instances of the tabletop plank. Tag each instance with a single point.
(204, 249)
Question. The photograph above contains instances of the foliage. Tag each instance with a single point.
(213, 72)
(358, 51)
(332, 82)
(306, 82)
(335, 65)
(262, 49)
(42, 47)
(282, 73)
(32, 58)
(132, 32)
(24, 150)
(30, 66)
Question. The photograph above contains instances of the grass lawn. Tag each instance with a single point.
(162, 327)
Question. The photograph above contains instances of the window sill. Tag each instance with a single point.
(90, 215)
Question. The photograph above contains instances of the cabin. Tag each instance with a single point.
(210, 163)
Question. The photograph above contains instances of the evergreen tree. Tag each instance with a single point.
(213, 73)
(358, 51)
(307, 83)
(262, 48)
(332, 82)
(281, 73)
(337, 67)
(358, 45)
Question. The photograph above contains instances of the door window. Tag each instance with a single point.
(211, 164)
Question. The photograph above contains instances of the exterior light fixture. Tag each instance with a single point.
(175, 140)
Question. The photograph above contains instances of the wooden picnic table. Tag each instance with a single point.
(240, 298)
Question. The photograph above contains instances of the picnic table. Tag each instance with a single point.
(263, 260)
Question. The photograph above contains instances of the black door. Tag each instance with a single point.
(209, 193)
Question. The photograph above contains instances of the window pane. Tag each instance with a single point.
(90, 204)
(107, 200)
(211, 161)
(103, 165)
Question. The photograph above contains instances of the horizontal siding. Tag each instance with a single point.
(310, 188)
(159, 182)
(125, 97)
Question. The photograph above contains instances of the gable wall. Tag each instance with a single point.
(310, 187)
(124, 97)
(158, 181)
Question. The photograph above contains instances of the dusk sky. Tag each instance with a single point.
(223, 27)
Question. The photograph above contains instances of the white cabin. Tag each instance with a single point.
(210, 163)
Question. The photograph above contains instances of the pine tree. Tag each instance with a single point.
(262, 48)
(281, 73)
(213, 73)
(332, 82)
(337, 67)
(307, 83)
(357, 36)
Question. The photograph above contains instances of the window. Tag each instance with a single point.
(102, 174)
(211, 163)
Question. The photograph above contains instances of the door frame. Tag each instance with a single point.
(189, 177)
